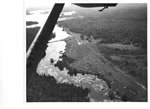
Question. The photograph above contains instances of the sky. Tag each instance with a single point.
(37, 3)
(41, 3)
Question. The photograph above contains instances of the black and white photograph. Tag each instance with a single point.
(68, 54)
(86, 52)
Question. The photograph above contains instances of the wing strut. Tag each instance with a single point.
(37, 49)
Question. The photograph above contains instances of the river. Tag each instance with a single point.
(88, 58)
(98, 87)
(56, 47)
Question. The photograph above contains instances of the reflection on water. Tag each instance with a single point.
(60, 34)
(68, 13)
(98, 88)
(41, 15)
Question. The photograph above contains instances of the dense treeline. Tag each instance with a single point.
(46, 89)
(123, 25)
(110, 31)
(28, 23)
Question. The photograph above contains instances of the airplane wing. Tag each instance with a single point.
(92, 5)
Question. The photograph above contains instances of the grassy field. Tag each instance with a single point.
(133, 62)
(125, 24)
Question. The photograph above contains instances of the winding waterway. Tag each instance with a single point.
(99, 90)
(98, 87)
(56, 47)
